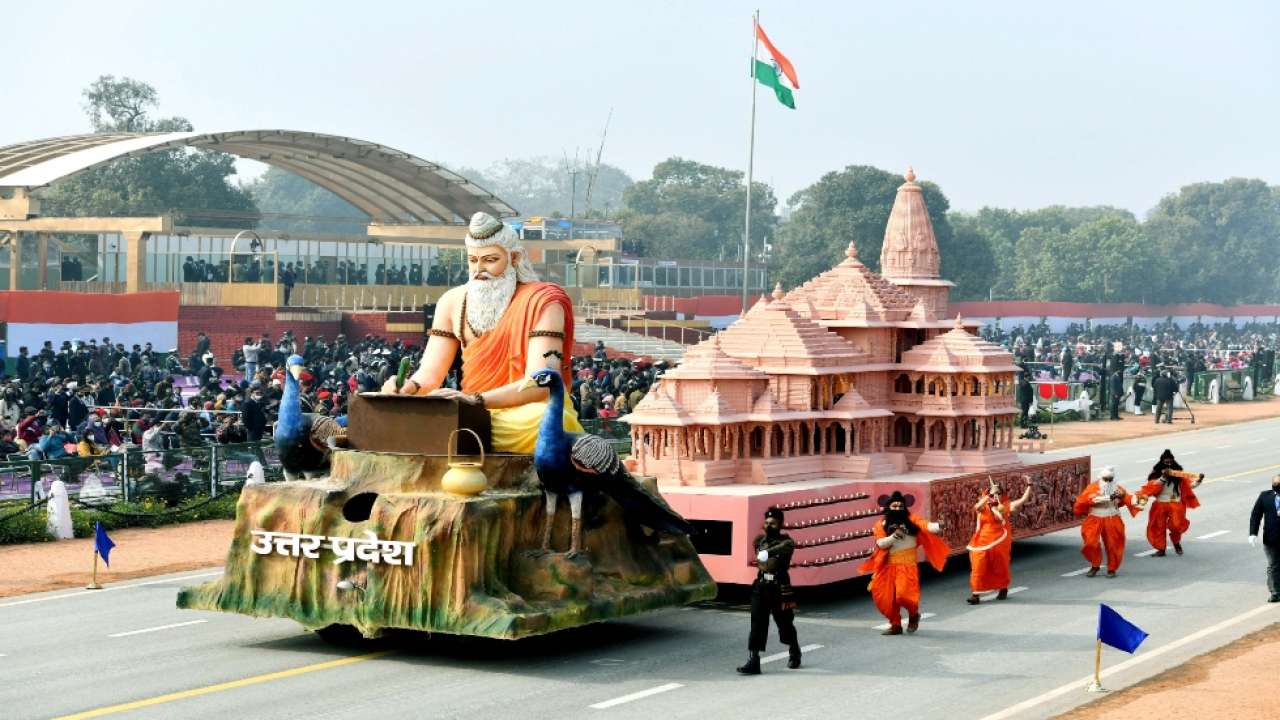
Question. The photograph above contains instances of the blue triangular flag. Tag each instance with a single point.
(102, 543)
(1118, 632)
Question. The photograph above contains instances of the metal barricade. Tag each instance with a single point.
(172, 473)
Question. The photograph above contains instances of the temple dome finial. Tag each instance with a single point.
(959, 322)
(851, 252)
(777, 291)
(910, 175)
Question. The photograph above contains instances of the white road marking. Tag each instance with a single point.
(1074, 573)
(1221, 447)
(1145, 553)
(1078, 685)
(992, 595)
(1255, 442)
(923, 616)
(98, 593)
(781, 656)
(832, 622)
(155, 629)
(635, 696)
(1189, 452)
(1213, 535)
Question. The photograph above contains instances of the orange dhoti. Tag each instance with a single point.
(991, 550)
(1100, 532)
(500, 357)
(1166, 519)
(896, 586)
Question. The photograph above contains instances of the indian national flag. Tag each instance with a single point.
(774, 70)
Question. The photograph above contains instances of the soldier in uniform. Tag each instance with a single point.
(771, 593)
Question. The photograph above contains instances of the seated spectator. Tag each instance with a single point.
(7, 445)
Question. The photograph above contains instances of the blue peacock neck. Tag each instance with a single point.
(289, 423)
(551, 431)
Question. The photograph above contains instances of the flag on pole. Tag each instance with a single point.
(775, 71)
(101, 543)
(1118, 632)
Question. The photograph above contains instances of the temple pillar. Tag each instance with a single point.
(818, 433)
(848, 439)
(912, 441)
(768, 441)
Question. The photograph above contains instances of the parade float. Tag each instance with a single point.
(821, 400)
(418, 527)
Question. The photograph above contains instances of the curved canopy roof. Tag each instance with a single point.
(390, 185)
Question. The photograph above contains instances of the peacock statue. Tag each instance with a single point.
(571, 464)
(303, 440)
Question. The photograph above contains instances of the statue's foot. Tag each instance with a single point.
(537, 552)
(575, 554)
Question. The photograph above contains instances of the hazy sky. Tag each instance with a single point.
(1011, 104)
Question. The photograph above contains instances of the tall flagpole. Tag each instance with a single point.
(751, 158)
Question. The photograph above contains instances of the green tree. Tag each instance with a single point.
(1003, 230)
(303, 204)
(706, 198)
(1106, 259)
(183, 181)
(1219, 242)
(548, 187)
(854, 204)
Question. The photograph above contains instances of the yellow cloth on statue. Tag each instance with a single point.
(515, 429)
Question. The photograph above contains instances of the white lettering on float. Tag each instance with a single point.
(345, 549)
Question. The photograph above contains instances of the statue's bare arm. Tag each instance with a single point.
(552, 320)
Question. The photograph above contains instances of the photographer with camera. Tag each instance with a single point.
(894, 565)
(1163, 390)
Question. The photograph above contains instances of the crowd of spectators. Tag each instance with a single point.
(1081, 353)
(258, 268)
(93, 399)
(605, 388)
(1116, 362)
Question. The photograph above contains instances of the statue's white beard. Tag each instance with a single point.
(487, 300)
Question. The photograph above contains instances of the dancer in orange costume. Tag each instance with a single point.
(1174, 493)
(1103, 526)
(991, 547)
(895, 579)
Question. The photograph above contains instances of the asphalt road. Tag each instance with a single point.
(127, 651)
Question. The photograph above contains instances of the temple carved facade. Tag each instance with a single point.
(853, 375)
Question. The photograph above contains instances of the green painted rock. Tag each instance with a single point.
(475, 567)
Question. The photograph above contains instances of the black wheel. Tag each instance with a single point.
(340, 634)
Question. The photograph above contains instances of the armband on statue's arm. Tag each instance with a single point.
(557, 353)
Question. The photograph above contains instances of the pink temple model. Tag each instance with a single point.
(817, 401)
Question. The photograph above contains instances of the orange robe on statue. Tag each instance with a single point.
(1102, 528)
(991, 549)
(1167, 520)
(499, 357)
(895, 575)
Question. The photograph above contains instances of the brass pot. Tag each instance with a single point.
(464, 477)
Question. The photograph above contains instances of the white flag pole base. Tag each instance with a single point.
(1096, 687)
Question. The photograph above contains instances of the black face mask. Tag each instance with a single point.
(896, 517)
(1276, 488)
(772, 530)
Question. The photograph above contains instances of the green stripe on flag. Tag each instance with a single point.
(769, 78)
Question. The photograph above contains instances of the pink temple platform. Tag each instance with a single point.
(821, 399)
(831, 519)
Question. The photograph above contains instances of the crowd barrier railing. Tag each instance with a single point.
(134, 473)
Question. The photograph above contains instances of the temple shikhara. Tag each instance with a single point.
(820, 399)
